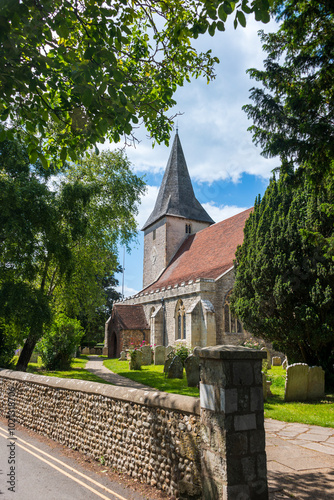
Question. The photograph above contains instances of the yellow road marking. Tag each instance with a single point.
(67, 466)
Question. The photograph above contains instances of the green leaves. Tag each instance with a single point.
(284, 289)
(293, 110)
(77, 67)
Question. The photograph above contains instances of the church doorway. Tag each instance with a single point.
(113, 344)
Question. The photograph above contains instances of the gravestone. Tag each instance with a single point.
(191, 365)
(159, 355)
(92, 350)
(147, 354)
(105, 351)
(268, 357)
(167, 364)
(196, 350)
(316, 382)
(296, 382)
(285, 363)
(123, 356)
(169, 349)
(276, 361)
(136, 360)
(85, 350)
(175, 369)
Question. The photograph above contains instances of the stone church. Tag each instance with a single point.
(188, 272)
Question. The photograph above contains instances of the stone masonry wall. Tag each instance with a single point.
(135, 337)
(150, 436)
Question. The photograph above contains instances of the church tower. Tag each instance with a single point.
(176, 214)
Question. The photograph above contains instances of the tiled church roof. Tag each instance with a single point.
(130, 317)
(206, 254)
(176, 195)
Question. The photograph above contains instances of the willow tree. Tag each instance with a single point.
(59, 238)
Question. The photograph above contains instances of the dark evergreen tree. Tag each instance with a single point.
(293, 110)
(284, 289)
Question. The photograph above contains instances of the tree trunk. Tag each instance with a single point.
(26, 353)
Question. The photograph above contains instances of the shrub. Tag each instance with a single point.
(58, 344)
(182, 351)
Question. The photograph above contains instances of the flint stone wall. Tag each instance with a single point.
(154, 437)
(212, 448)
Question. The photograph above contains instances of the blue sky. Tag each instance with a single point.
(226, 168)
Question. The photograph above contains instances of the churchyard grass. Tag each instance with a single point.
(77, 371)
(319, 412)
(153, 376)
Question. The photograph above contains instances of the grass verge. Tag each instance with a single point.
(318, 412)
(77, 371)
(153, 376)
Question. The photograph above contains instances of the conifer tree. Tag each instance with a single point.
(284, 289)
(293, 108)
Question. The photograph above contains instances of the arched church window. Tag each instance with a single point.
(180, 321)
(230, 322)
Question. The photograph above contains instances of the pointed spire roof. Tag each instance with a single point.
(176, 195)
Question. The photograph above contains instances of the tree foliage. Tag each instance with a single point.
(293, 110)
(58, 242)
(284, 289)
(98, 67)
(59, 342)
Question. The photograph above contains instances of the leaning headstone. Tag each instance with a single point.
(296, 382)
(175, 369)
(136, 360)
(268, 357)
(196, 350)
(122, 356)
(169, 349)
(85, 350)
(285, 363)
(276, 361)
(147, 354)
(191, 365)
(167, 364)
(159, 355)
(316, 382)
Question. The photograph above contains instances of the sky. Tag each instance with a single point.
(226, 168)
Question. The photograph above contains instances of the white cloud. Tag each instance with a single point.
(213, 127)
(147, 203)
(222, 212)
(127, 290)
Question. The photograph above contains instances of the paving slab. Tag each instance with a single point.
(302, 466)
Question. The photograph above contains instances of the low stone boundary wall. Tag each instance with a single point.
(154, 436)
(212, 448)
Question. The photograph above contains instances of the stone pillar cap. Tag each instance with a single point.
(230, 352)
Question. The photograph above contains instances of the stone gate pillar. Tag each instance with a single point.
(233, 457)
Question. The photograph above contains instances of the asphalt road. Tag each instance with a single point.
(32, 470)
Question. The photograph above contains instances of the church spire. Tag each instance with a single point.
(176, 195)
